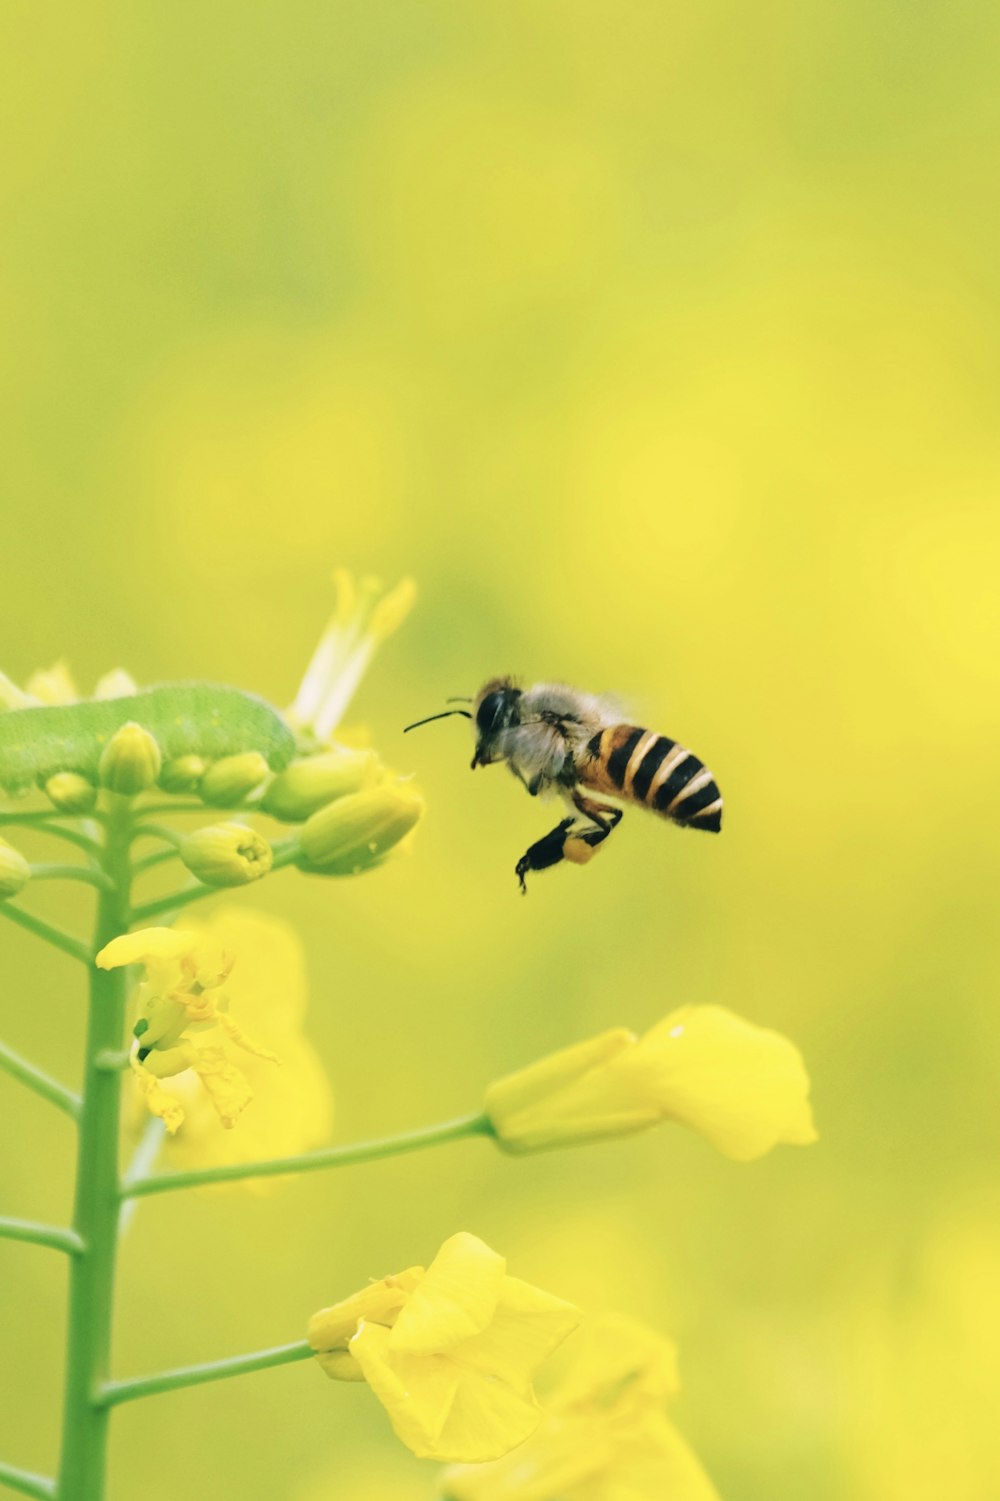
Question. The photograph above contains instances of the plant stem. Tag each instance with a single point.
(173, 902)
(50, 1089)
(85, 1421)
(41, 1235)
(41, 929)
(70, 873)
(306, 1162)
(26, 1482)
(196, 1375)
(42, 824)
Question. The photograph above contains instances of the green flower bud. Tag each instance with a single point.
(184, 774)
(226, 854)
(233, 778)
(312, 783)
(15, 872)
(70, 792)
(357, 832)
(131, 760)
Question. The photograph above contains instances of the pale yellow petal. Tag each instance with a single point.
(743, 1087)
(456, 1299)
(657, 1464)
(439, 1410)
(544, 1080)
(237, 1035)
(416, 1391)
(143, 945)
(54, 685)
(618, 1362)
(527, 1326)
(552, 1462)
(158, 1101)
(379, 1303)
(227, 1086)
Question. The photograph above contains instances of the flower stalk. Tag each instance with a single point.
(95, 1216)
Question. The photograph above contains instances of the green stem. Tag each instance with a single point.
(158, 831)
(171, 903)
(150, 862)
(26, 1482)
(41, 822)
(85, 1420)
(55, 936)
(50, 1089)
(114, 1392)
(306, 1162)
(86, 873)
(41, 1235)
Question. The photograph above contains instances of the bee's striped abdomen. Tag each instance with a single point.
(654, 770)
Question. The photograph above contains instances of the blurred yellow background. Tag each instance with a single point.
(659, 343)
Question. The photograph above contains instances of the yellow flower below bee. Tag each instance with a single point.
(743, 1087)
(604, 1436)
(185, 1021)
(450, 1352)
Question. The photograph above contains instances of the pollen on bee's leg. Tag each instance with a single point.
(579, 851)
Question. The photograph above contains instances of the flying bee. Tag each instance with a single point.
(557, 739)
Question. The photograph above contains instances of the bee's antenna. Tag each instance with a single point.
(459, 698)
(416, 725)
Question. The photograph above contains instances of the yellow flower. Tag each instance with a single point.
(363, 617)
(183, 1020)
(292, 1108)
(604, 1436)
(743, 1087)
(450, 1352)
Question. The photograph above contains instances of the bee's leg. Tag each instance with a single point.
(546, 852)
(606, 819)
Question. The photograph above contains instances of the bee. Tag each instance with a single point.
(555, 738)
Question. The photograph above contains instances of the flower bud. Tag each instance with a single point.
(357, 832)
(310, 784)
(226, 854)
(233, 778)
(15, 872)
(70, 792)
(131, 760)
(183, 774)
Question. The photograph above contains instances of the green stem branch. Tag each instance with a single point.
(42, 929)
(306, 1162)
(50, 1089)
(41, 1235)
(114, 1392)
(51, 872)
(42, 823)
(26, 1482)
(173, 902)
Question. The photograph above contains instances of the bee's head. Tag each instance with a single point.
(496, 709)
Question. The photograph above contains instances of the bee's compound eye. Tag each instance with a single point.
(490, 712)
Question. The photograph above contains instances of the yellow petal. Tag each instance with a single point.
(653, 1464)
(743, 1087)
(227, 1087)
(416, 1390)
(145, 944)
(54, 685)
(439, 1410)
(541, 1081)
(527, 1326)
(242, 1040)
(560, 1456)
(617, 1363)
(457, 1298)
(378, 1303)
(158, 1101)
